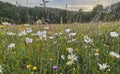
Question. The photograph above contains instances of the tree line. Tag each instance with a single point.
(21, 14)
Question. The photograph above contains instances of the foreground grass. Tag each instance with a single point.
(41, 55)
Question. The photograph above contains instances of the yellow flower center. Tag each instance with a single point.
(43, 38)
(69, 63)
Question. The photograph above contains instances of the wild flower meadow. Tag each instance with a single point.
(60, 49)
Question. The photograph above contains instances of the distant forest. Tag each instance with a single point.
(21, 14)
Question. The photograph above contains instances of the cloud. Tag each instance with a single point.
(103, 2)
(77, 7)
(87, 5)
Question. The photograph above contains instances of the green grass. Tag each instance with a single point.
(44, 54)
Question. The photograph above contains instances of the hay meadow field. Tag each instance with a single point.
(60, 49)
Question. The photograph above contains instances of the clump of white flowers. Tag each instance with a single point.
(28, 30)
(60, 33)
(114, 34)
(28, 40)
(22, 33)
(11, 46)
(42, 35)
(63, 57)
(70, 50)
(114, 54)
(5, 23)
(72, 34)
(67, 30)
(71, 57)
(25, 32)
(103, 66)
(51, 37)
(11, 33)
(87, 40)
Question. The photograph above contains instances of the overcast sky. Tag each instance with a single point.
(72, 4)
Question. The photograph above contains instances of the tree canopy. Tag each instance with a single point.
(21, 14)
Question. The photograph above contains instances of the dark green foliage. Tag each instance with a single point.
(20, 14)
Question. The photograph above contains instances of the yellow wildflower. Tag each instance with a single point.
(34, 68)
(66, 48)
(105, 45)
(1, 27)
(28, 66)
(14, 52)
(82, 35)
(97, 50)
(76, 49)
(51, 59)
(2, 33)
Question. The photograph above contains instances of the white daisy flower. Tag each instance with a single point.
(60, 33)
(28, 40)
(56, 34)
(87, 40)
(68, 30)
(72, 34)
(43, 37)
(22, 33)
(6, 23)
(114, 54)
(28, 30)
(41, 33)
(51, 37)
(63, 57)
(73, 40)
(72, 57)
(103, 66)
(54, 42)
(96, 54)
(11, 33)
(70, 50)
(12, 45)
(114, 34)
